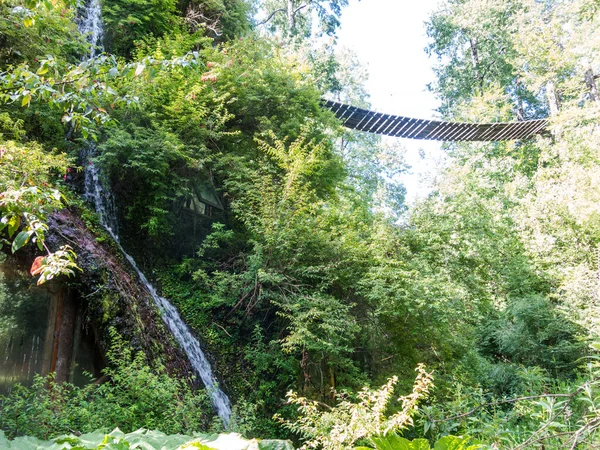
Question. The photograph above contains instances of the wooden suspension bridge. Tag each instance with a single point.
(437, 130)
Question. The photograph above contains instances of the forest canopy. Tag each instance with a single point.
(285, 241)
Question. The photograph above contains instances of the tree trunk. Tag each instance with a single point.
(305, 371)
(520, 108)
(475, 59)
(331, 384)
(553, 99)
(291, 17)
(590, 80)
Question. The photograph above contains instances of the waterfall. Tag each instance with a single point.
(102, 200)
(90, 25)
(94, 191)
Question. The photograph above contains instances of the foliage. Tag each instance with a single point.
(395, 442)
(476, 38)
(314, 276)
(562, 419)
(26, 174)
(135, 394)
(130, 21)
(35, 29)
(155, 440)
(150, 440)
(531, 332)
(347, 422)
(295, 17)
(510, 59)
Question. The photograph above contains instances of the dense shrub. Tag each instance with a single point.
(134, 396)
(532, 332)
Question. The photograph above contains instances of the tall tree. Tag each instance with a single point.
(294, 17)
(474, 46)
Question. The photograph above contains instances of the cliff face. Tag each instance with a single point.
(113, 297)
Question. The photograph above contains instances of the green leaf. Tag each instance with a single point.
(26, 100)
(197, 445)
(3, 441)
(420, 444)
(456, 443)
(391, 442)
(13, 224)
(72, 440)
(21, 239)
(29, 443)
(271, 444)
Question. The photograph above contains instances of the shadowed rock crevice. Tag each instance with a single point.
(114, 297)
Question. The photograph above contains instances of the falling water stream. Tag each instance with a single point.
(91, 26)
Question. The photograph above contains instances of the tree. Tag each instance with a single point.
(474, 44)
(294, 17)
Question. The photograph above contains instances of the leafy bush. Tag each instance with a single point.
(532, 332)
(48, 31)
(127, 21)
(135, 396)
(348, 422)
(545, 413)
(27, 177)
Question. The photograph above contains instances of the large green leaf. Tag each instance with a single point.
(456, 443)
(21, 239)
(420, 444)
(271, 444)
(391, 442)
(30, 443)
(154, 440)
(143, 440)
(395, 442)
(13, 223)
(3, 441)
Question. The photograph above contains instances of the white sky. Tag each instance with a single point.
(389, 38)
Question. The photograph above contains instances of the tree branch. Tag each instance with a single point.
(270, 16)
(300, 7)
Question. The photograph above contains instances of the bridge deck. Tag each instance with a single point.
(399, 126)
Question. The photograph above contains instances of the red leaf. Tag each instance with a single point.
(36, 267)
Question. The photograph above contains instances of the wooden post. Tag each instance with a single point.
(49, 348)
(64, 335)
(76, 342)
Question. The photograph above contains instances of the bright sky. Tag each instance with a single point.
(389, 38)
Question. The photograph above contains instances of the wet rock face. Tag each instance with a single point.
(114, 296)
